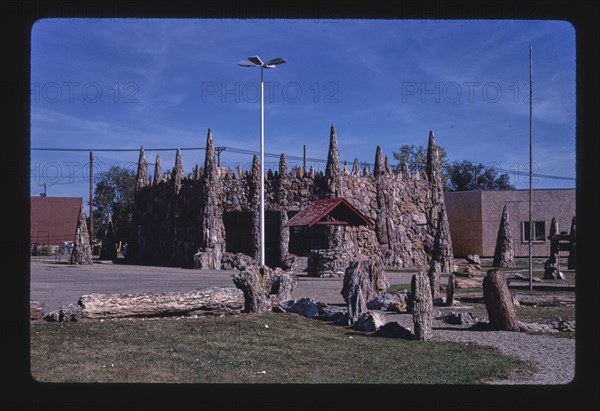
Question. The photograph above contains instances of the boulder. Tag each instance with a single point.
(393, 330)
(36, 310)
(562, 325)
(380, 302)
(231, 261)
(369, 321)
(306, 307)
(66, 313)
(460, 318)
(473, 259)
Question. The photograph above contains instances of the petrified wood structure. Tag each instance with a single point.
(202, 218)
(504, 255)
(264, 288)
(422, 306)
(109, 246)
(363, 280)
(82, 250)
(498, 302)
(552, 265)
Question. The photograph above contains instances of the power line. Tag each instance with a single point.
(271, 155)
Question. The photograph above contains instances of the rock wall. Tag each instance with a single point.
(176, 217)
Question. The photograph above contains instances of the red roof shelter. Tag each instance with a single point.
(53, 219)
(330, 211)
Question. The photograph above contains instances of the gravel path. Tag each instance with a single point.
(552, 358)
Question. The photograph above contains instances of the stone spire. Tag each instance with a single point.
(332, 171)
(210, 167)
(386, 164)
(572, 261)
(142, 171)
(255, 171)
(109, 248)
(552, 265)
(158, 177)
(442, 245)
(212, 218)
(504, 256)
(82, 250)
(283, 171)
(355, 167)
(432, 169)
(379, 168)
(177, 173)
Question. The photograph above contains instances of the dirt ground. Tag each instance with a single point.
(56, 284)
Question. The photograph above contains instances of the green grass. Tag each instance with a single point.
(236, 349)
(398, 287)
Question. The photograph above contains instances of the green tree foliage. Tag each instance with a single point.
(466, 176)
(114, 194)
(416, 159)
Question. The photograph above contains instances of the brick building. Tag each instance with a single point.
(53, 219)
(474, 218)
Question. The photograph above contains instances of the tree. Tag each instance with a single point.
(114, 194)
(416, 159)
(466, 176)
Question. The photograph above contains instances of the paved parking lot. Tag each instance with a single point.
(56, 284)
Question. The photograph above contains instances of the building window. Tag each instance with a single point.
(539, 231)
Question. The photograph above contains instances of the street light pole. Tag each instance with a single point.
(255, 61)
(262, 168)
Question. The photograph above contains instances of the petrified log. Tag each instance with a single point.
(422, 306)
(450, 290)
(264, 288)
(498, 302)
(220, 299)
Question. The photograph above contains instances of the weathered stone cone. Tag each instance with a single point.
(264, 288)
(82, 251)
(499, 302)
(109, 246)
(363, 280)
(504, 255)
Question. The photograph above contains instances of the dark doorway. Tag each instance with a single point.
(304, 239)
(272, 236)
(238, 232)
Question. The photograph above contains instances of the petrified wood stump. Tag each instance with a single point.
(498, 302)
(264, 288)
(363, 280)
(422, 306)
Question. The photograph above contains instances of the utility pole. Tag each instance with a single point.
(91, 199)
(219, 150)
(530, 169)
(304, 160)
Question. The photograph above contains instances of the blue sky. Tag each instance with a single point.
(124, 83)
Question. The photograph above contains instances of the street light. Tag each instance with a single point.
(255, 61)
